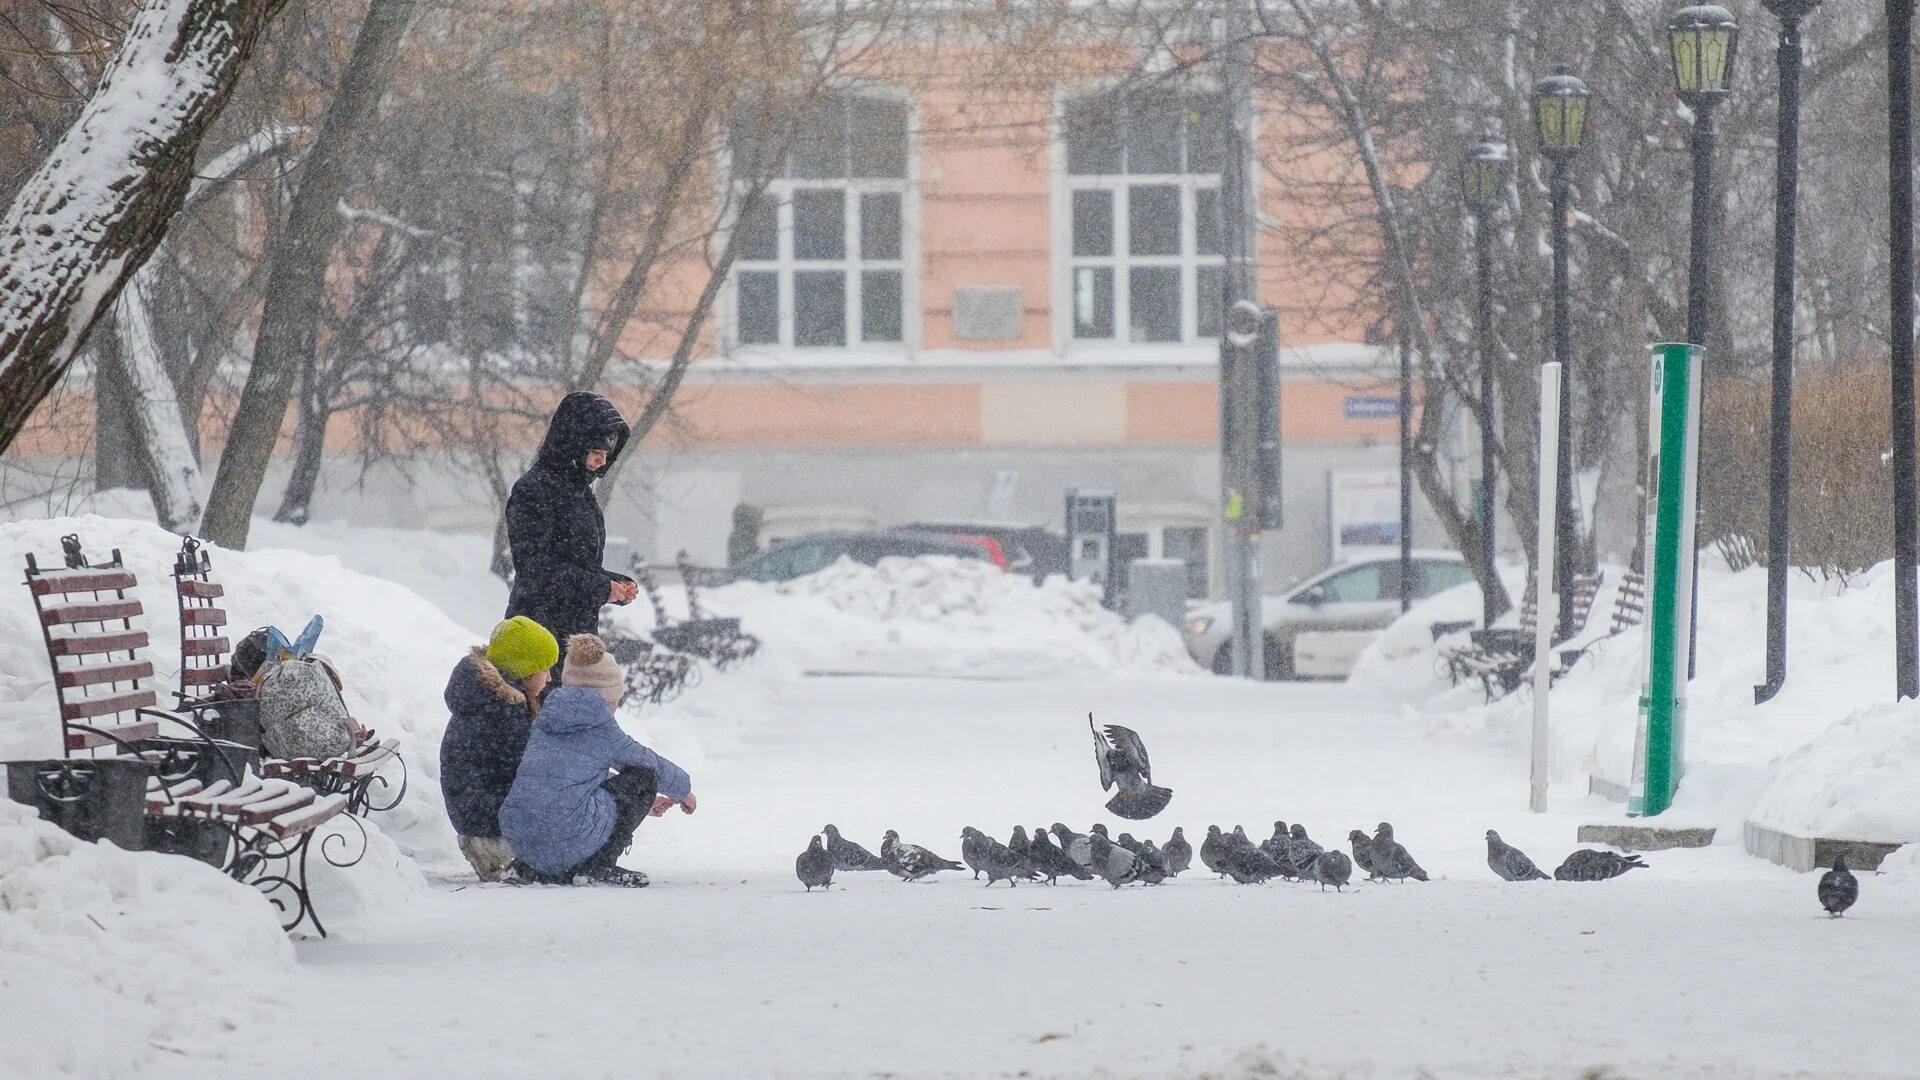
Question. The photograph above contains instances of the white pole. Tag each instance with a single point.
(1547, 602)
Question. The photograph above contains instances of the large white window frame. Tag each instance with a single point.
(1201, 268)
(857, 270)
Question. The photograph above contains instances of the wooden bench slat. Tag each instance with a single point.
(203, 616)
(307, 818)
(87, 740)
(65, 582)
(91, 644)
(105, 611)
(205, 646)
(290, 796)
(95, 674)
(204, 676)
(201, 590)
(85, 708)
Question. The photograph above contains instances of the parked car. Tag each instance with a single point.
(1357, 595)
(804, 555)
(1030, 549)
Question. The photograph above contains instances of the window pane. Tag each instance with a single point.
(1209, 302)
(819, 308)
(879, 136)
(1093, 223)
(819, 223)
(759, 299)
(1358, 585)
(1153, 219)
(1154, 303)
(820, 148)
(760, 227)
(1206, 221)
(1093, 137)
(880, 305)
(880, 225)
(1093, 302)
(1153, 133)
(1206, 134)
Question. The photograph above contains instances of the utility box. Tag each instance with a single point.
(1092, 524)
(1157, 587)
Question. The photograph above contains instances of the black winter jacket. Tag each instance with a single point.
(480, 753)
(555, 531)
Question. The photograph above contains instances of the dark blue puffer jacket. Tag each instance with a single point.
(481, 748)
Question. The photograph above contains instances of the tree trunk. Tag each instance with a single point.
(168, 467)
(116, 461)
(297, 278)
(309, 449)
(94, 211)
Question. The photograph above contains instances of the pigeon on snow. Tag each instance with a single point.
(1179, 853)
(814, 866)
(1510, 862)
(1153, 864)
(997, 860)
(1127, 841)
(1122, 759)
(1248, 865)
(1115, 864)
(1213, 848)
(1363, 853)
(1052, 863)
(1838, 887)
(1592, 864)
(848, 855)
(911, 862)
(1331, 868)
(1390, 858)
(1301, 850)
(1276, 849)
(973, 849)
(1074, 844)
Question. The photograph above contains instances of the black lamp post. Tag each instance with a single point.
(1906, 547)
(1560, 123)
(1786, 217)
(1483, 181)
(1701, 40)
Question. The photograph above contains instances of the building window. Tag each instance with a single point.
(1143, 191)
(823, 261)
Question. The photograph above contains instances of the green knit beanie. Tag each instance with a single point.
(520, 647)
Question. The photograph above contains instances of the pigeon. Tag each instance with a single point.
(1213, 848)
(1248, 865)
(1114, 863)
(1074, 844)
(1276, 847)
(1363, 853)
(1122, 759)
(1302, 851)
(1099, 829)
(998, 861)
(1179, 853)
(1838, 887)
(1510, 862)
(814, 866)
(1047, 858)
(1592, 864)
(1153, 864)
(1390, 858)
(1127, 841)
(1240, 838)
(973, 849)
(1331, 868)
(911, 862)
(1022, 847)
(848, 855)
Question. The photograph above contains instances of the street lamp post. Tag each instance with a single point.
(1786, 217)
(1560, 122)
(1702, 40)
(1483, 180)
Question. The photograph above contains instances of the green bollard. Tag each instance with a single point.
(1673, 457)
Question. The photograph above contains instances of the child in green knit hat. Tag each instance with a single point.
(492, 696)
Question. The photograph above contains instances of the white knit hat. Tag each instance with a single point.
(590, 665)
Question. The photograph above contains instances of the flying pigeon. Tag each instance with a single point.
(1510, 862)
(1074, 844)
(1362, 853)
(814, 866)
(1331, 868)
(998, 860)
(1592, 864)
(1122, 759)
(1301, 851)
(1213, 848)
(1838, 887)
(848, 855)
(1047, 858)
(911, 862)
(1390, 858)
(1179, 853)
(1114, 863)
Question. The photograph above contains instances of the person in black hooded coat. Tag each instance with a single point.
(555, 531)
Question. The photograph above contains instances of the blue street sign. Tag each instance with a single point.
(1371, 407)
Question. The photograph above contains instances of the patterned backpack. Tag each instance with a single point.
(302, 714)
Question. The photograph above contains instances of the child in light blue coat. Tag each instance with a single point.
(584, 785)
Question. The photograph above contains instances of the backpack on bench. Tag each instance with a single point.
(302, 714)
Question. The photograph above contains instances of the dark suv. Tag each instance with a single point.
(804, 555)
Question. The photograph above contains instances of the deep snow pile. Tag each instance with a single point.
(1829, 752)
(107, 956)
(940, 616)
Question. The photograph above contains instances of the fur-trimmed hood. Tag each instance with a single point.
(482, 679)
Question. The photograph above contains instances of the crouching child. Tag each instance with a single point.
(492, 696)
(584, 785)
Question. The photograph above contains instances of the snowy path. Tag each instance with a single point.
(1708, 964)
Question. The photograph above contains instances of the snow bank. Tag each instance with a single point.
(111, 955)
(392, 648)
(940, 616)
(1859, 779)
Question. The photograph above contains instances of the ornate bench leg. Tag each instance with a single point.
(278, 868)
(362, 800)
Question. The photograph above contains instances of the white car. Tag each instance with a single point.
(1360, 594)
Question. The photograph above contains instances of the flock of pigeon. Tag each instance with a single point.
(1120, 755)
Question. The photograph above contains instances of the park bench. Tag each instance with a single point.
(186, 794)
(1500, 657)
(206, 661)
(655, 672)
(718, 641)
